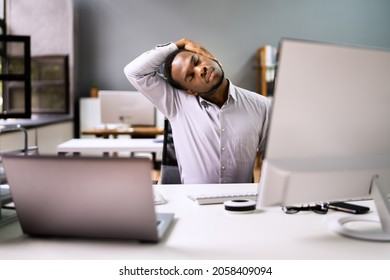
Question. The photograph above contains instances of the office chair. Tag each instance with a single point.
(5, 193)
(169, 172)
(26, 149)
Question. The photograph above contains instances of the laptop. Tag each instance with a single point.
(92, 197)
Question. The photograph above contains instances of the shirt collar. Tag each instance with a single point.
(231, 94)
(232, 91)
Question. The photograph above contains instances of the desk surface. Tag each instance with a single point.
(110, 145)
(141, 131)
(208, 232)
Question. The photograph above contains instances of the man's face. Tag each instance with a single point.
(197, 73)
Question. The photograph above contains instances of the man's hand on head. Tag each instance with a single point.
(192, 46)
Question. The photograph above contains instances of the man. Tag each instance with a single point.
(217, 127)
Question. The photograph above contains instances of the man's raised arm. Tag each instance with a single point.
(142, 71)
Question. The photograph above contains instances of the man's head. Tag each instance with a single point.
(194, 73)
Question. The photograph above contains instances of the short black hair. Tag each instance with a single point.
(168, 69)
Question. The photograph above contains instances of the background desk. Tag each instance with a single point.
(134, 132)
(98, 145)
(208, 232)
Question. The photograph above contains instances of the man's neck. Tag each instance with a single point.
(221, 94)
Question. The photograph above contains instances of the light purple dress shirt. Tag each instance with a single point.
(213, 145)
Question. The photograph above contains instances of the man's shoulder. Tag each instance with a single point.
(245, 93)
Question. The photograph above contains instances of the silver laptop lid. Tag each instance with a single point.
(83, 196)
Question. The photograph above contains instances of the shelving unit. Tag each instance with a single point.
(15, 76)
(50, 84)
(266, 67)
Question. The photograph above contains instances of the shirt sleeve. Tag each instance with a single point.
(142, 73)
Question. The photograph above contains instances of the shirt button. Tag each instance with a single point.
(223, 148)
(223, 129)
(223, 167)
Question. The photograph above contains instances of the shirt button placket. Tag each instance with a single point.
(223, 151)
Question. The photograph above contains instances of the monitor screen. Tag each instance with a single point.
(329, 135)
(126, 107)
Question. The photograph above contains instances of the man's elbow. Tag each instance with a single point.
(128, 70)
(131, 74)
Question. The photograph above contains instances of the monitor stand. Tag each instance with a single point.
(383, 208)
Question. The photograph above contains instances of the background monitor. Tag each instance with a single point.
(329, 136)
(126, 107)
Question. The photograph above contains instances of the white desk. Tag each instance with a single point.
(110, 145)
(208, 232)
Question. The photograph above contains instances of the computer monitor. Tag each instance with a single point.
(130, 108)
(329, 137)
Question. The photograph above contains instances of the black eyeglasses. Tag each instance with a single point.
(319, 208)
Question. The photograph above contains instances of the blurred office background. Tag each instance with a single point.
(109, 34)
(102, 36)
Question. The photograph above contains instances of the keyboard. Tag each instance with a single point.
(218, 198)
